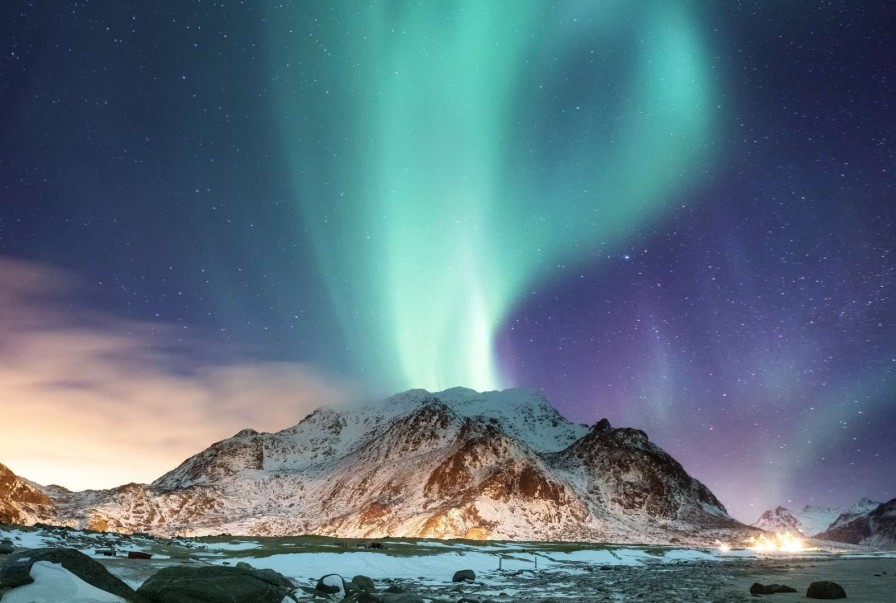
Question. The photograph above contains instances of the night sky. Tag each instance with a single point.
(677, 215)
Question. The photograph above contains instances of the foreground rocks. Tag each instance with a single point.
(16, 570)
(727, 581)
(771, 589)
(825, 590)
(361, 589)
(215, 584)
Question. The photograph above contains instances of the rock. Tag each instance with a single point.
(394, 588)
(6, 547)
(825, 590)
(602, 425)
(402, 598)
(363, 597)
(771, 589)
(363, 583)
(332, 584)
(214, 584)
(461, 575)
(16, 570)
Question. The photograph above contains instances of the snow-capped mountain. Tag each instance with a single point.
(779, 519)
(810, 520)
(458, 463)
(21, 501)
(876, 527)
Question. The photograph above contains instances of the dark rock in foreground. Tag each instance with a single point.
(363, 583)
(16, 570)
(462, 575)
(770, 589)
(332, 584)
(215, 584)
(825, 590)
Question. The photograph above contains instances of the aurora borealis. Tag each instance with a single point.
(435, 172)
(678, 215)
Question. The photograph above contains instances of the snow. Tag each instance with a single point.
(599, 557)
(306, 567)
(53, 583)
(29, 539)
(440, 567)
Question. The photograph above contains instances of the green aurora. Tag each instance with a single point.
(473, 149)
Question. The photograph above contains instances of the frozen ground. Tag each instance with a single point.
(560, 572)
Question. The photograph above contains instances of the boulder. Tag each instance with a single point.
(215, 584)
(363, 583)
(825, 590)
(361, 596)
(402, 598)
(16, 570)
(332, 584)
(770, 589)
(462, 575)
(6, 547)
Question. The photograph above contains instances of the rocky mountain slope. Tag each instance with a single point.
(876, 527)
(810, 520)
(21, 501)
(457, 463)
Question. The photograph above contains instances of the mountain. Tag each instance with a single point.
(21, 501)
(779, 519)
(454, 464)
(810, 520)
(876, 527)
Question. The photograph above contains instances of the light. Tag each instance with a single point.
(779, 543)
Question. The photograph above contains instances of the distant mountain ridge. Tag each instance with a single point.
(875, 527)
(454, 464)
(810, 520)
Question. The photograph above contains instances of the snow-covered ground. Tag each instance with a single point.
(424, 566)
(53, 584)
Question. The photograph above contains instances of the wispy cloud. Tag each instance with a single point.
(88, 400)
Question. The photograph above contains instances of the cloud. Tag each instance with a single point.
(91, 401)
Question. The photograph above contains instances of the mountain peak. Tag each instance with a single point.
(602, 425)
(864, 504)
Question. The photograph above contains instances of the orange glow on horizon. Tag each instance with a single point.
(102, 405)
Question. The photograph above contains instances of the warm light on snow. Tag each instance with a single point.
(779, 543)
(723, 546)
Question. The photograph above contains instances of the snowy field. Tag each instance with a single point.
(504, 571)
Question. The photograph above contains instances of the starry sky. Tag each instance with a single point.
(678, 215)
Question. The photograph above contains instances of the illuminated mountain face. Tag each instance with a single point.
(455, 464)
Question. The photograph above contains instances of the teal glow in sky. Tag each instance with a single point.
(440, 177)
